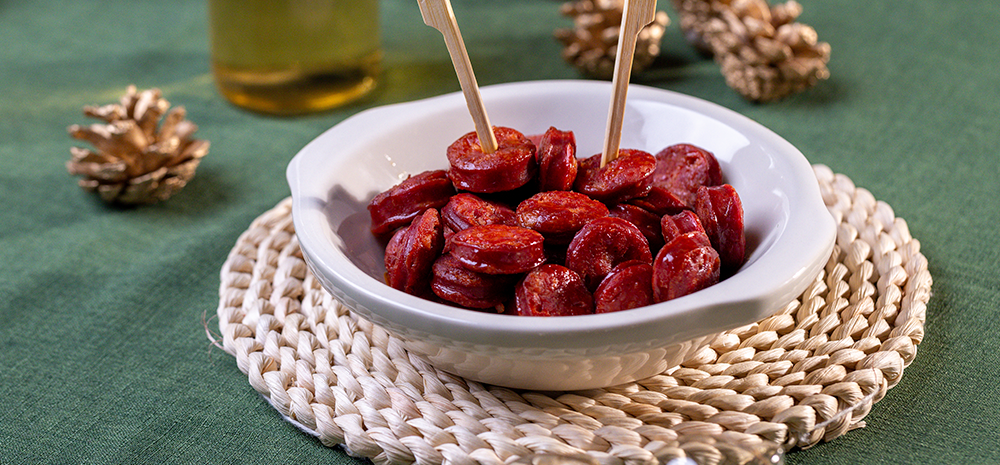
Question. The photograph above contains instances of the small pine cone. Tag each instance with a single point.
(592, 43)
(136, 159)
(764, 55)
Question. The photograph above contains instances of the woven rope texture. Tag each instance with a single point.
(809, 373)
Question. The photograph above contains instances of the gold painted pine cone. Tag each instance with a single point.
(136, 159)
(763, 53)
(592, 43)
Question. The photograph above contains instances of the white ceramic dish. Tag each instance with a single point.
(789, 232)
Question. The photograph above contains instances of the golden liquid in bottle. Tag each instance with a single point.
(291, 57)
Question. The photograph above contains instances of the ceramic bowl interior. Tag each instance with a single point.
(789, 231)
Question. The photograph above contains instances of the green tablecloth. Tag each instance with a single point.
(103, 355)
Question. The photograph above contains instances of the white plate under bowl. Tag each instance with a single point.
(789, 232)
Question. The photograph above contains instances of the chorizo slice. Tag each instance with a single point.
(603, 243)
(626, 177)
(466, 210)
(683, 168)
(558, 215)
(411, 253)
(686, 221)
(647, 222)
(497, 249)
(684, 266)
(557, 163)
(511, 166)
(453, 282)
(395, 259)
(552, 290)
(629, 285)
(400, 204)
(720, 211)
(660, 201)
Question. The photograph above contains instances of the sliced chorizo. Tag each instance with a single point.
(683, 168)
(683, 266)
(400, 204)
(453, 282)
(557, 163)
(660, 201)
(395, 260)
(645, 220)
(497, 248)
(411, 253)
(603, 243)
(720, 211)
(465, 210)
(621, 179)
(511, 166)
(629, 285)
(686, 221)
(558, 215)
(552, 290)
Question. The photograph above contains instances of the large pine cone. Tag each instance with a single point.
(592, 44)
(763, 53)
(136, 159)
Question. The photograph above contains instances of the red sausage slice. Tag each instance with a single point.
(400, 204)
(552, 290)
(557, 164)
(465, 210)
(721, 213)
(395, 257)
(645, 220)
(497, 249)
(683, 168)
(624, 178)
(628, 285)
(660, 201)
(455, 283)
(511, 166)
(686, 221)
(411, 252)
(603, 243)
(558, 215)
(684, 265)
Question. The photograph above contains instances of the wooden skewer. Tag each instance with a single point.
(439, 15)
(636, 15)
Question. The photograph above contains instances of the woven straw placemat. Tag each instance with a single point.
(809, 373)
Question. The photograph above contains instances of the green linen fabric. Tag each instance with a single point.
(104, 356)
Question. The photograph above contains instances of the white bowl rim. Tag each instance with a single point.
(813, 226)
